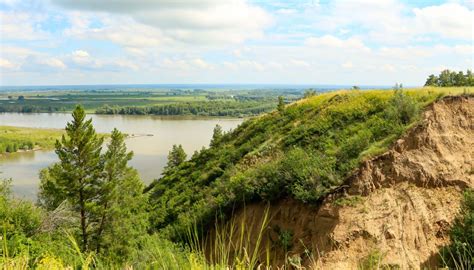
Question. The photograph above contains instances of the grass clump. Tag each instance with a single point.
(351, 201)
(372, 261)
(460, 253)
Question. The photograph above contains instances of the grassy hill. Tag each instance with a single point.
(304, 152)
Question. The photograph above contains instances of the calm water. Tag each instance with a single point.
(150, 151)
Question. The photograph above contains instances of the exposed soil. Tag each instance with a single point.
(398, 206)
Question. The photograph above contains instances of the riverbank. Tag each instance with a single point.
(25, 139)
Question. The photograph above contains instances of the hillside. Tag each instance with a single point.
(396, 210)
(304, 152)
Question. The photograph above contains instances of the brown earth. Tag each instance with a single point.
(398, 207)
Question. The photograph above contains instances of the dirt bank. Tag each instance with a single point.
(397, 208)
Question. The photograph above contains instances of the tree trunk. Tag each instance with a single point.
(83, 221)
(101, 227)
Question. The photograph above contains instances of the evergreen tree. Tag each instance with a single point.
(175, 157)
(216, 135)
(76, 177)
(281, 104)
(122, 218)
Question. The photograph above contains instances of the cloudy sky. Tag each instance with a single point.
(363, 42)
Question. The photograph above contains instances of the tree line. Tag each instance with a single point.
(449, 78)
(200, 108)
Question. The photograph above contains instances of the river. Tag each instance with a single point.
(156, 135)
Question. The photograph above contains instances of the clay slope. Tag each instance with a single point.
(398, 206)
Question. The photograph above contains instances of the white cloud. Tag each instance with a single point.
(21, 26)
(55, 63)
(448, 20)
(334, 42)
(7, 65)
(347, 64)
(81, 57)
(299, 63)
(203, 22)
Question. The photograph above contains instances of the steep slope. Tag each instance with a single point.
(303, 151)
(395, 210)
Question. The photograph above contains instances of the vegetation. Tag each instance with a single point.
(303, 151)
(102, 190)
(449, 78)
(460, 253)
(175, 157)
(94, 211)
(13, 139)
(235, 103)
(201, 108)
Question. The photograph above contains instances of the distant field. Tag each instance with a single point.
(13, 139)
(180, 102)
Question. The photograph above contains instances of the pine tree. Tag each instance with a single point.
(76, 177)
(216, 135)
(175, 157)
(122, 218)
(281, 104)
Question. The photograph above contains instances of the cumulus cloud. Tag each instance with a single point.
(449, 20)
(334, 42)
(208, 21)
(21, 26)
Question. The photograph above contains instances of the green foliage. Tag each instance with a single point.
(176, 156)
(281, 104)
(402, 108)
(304, 152)
(13, 139)
(216, 135)
(372, 261)
(76, 176)
(309, 93)
(285, 239)
(102, 190)
(460, 253)
(122, 221)
(348, 200)
(449, 78)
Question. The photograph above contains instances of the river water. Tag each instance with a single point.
(155, 137)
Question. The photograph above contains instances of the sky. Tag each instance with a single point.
(343, 42)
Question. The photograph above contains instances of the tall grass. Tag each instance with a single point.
(236, 244)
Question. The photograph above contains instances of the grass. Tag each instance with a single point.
(13, 139)
(351, 201)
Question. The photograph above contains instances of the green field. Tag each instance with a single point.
(236, 103)
(13, 139)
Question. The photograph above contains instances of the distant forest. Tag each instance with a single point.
(201, 108)
(448, 78)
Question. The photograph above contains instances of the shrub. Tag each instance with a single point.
(460, 253)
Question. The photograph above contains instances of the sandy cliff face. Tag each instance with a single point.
(398, 207)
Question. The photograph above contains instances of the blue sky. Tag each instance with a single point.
(361, 42)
